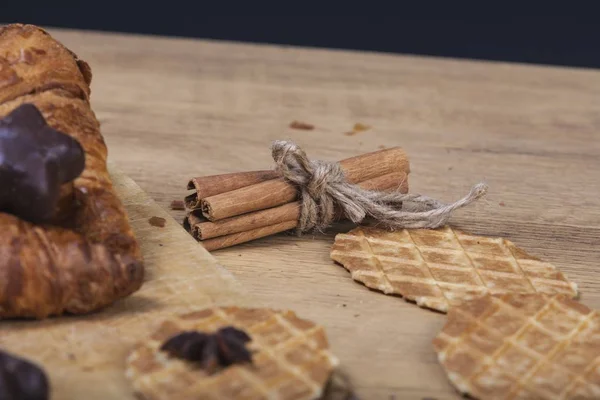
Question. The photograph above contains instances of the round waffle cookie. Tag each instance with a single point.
(290, 358)
(522, 346)
(437, 268)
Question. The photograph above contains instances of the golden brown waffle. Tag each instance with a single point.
(442, 267)
(291, 359)
(522, 346)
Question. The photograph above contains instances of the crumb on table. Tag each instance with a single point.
(358, 127)
(157, 221)
(177, 205)
(302, 126)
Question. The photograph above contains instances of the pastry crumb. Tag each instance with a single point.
(301, 126)
(358, 127)
(177, 205)
(157, 221)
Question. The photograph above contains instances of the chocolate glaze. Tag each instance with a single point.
(35, 160)
(21, 379)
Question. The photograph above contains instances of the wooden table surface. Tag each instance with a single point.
(172, 109)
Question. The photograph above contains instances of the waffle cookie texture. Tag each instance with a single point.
(522, 346)
(438, 268)
(291, 359)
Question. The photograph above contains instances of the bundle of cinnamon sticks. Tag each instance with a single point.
(229, 209)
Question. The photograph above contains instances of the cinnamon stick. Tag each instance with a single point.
(242, 237)
(202, 229)
(211, 185)
(276, 192)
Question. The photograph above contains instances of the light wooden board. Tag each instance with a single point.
(173, 108)
(84, 356)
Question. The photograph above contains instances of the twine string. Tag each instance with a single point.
(323, 189)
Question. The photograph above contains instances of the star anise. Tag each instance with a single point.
(211, 351)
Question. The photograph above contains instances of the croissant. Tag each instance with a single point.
(87, 257)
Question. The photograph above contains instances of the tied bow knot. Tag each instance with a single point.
(324, 189)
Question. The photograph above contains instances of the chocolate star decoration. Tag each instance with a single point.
(223, 348)
(35, 160)
(21, 379)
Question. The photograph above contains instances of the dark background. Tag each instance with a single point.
(565, 40)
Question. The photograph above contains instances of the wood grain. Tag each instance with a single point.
(172, 109)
